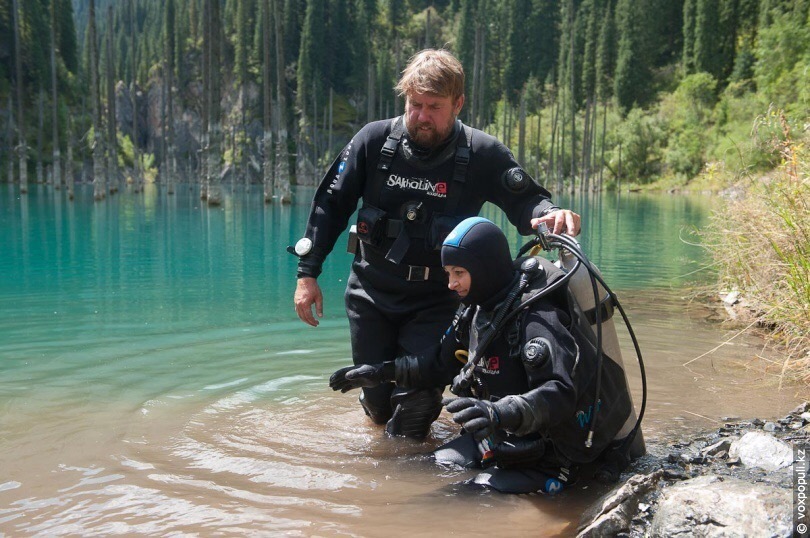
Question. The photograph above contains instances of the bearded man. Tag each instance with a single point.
(418, 175)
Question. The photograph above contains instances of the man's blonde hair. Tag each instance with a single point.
(434, 71)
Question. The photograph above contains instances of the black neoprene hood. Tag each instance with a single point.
(480, 247)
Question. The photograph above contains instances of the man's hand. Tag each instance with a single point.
(307, 293)
(562, 220)
(355, 377)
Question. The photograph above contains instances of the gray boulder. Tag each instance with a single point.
(759, 449)
(710, 506)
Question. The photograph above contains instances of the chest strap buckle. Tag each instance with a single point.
(418, 272)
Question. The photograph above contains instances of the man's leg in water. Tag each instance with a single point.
(374, 340)
(416, 409)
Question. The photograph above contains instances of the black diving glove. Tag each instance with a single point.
(482, 418)
(364, 375)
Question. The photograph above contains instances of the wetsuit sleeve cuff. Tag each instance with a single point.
(311, 264)
(306, 269)
(544, 208)
(533, 418)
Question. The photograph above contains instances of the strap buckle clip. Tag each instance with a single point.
(418, 272)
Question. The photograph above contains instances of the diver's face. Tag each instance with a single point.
(429, 118)
(459, 280)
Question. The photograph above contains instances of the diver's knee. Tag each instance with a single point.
(414, 412)
(378, 413)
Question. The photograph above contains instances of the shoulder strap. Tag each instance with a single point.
(460, 169)
(387, 153)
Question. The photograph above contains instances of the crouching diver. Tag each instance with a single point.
(525, 362)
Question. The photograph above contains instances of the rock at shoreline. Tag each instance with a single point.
(735, 482)
(712, 506)
(759, 449)
(613, 513)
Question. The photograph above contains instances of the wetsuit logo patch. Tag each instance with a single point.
(438, 189)
(583, 418)
(491, 365)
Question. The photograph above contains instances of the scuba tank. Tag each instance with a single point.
(581, 286)
(587, 287)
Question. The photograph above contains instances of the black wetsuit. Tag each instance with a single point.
(545, 356)
(397, 298)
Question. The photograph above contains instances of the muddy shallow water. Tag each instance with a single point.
(154, 380)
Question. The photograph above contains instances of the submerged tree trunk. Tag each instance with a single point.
(282, 172)
(57, 157)
(40, 136)
(267, 138)
(10, 140)
(170, 162)
(572, 95)
(99, 187)
(522, 129)
(69, 163)
(214, 125)
(552, 144)
(604, 130)
(112, 137)
(137, 179)
(205, 175)
(586, 130)
(22, 146)
(370, 90)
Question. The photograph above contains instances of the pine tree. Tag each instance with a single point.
(517, 68)
(689, 36)
(632, 77)
(708, 56)
(310, 61)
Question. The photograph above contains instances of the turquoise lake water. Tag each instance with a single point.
(154, 377)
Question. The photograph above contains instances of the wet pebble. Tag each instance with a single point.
(769, 427)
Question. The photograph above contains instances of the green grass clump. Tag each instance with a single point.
(761, 245)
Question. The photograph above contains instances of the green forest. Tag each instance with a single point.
(589, 94)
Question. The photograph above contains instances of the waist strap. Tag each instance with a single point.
(410, 273)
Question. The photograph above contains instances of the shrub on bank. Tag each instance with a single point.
(761, 244)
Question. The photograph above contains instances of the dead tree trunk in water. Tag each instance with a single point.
(586, 130)
(137, 180)
(205, 173)
(282, 173)
(522, 129)
(572, 96)
(57, 157)
(267, 138)
(214, 125)
(40, 135)
(69, 163)
(112, 137)
(22, 146)
(169, 159)
(10, 139)
(99, 186)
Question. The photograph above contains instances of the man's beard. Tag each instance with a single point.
(431, 138)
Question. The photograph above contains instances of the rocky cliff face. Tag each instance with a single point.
(238, 122)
